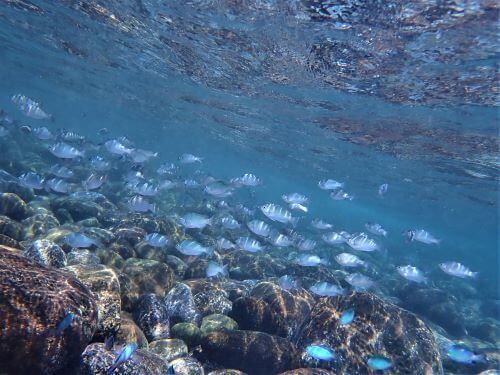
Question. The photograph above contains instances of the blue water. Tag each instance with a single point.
(233, 83)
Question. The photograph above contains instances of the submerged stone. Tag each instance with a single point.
(38, 225)
(213, 302)
(34, 299)
(180, 305)
(169, 349)
(187, 332)
(151, 316)
(187, 366)
(14, 207)
(46, 253)
(11, 228)
(217, 322)
(129, 332)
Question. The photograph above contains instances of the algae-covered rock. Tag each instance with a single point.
(217, 322)
(187, 332)
(169, 349)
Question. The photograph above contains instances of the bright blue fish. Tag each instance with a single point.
(125, 354)
(320, 352)
(347, 317)
(156, 239)
(379, 362)
(65, 323)
(461, 354)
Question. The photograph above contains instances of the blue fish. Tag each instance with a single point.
(347, 317)
(125, 354)
(65, 323)
(320, 352)
(379, 362)
(156, 239)
(461, 354)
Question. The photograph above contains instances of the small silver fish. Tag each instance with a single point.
(325, 289)
(280, 240)
(31, 180)
(359, 281)
(69, 136)
(277, 213)
(156, 240)
(3, 132)
(382, 189)
(167, 168)
(167, 185)
(189, 159)
(298, 207)
(321, 225)
(411, 273)
(349, 260)
(340, 195)
(259, 228)
(248, 179)
(218, 190)
(310, 260)
(61, 171)
(98, 163)
(228, 222)
(333, 238)
(80, 240)
(194, 221)
(249, 244)
(287, 282)
(65, 151)
(93, 182)
(42, 133)
(145, 189)
(330, 184)
(306, 245)
(362, 242)
(295, 198)
(193, 248)
(457, 269)
(140, 204)
(375, 228)
(29, 107)
(422, 236)
(215, 269)
(141, 156)
(116, 147)
(225, 244)
(58, 186)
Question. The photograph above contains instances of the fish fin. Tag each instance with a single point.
(474, 274)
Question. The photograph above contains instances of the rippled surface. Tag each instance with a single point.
(404, 93)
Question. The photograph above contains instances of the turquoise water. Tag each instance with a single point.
(410, 104)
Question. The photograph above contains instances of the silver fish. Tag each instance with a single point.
(191, 184)
(349, 260)
(277, 213)
(80, 240)
(320, 224)
(61, 171)
(98, 163)
(193, 248)
(362, 242)
(29, 107)
(189, 159)
(228, 222)
(93, 182)
(194, 221)
(382, 189)
(215, 269)
(141, 156)
(259, 228)
(330, 184)
(248, 179)
(249, 244)
(306, 245)
(42, 133)
(156, 240)
(340, 195)
(145, 189)
(295, 198)
(69, 136)
(167, 185)
(218, 190)
(325, 289)
(32, 180)
(333, 238)
(65, 151)
(457, 269)
(3, 132)
(58, 186)
(287, 282)
(133, 177)
(167, 168)
(423, 236)
(298, 207)
(140, 204)
(310, 260)
(359, 281)
(116, 147)
(411, 273)
(225, 244)
(375, 228)
(280, 240)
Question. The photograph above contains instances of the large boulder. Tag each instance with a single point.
(103, 282)
(13, 206)
(249, 351)
(379, 328)
(46, 253)
(33, 301)
(151, 316)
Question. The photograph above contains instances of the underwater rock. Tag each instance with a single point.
(177, 264)
(197, 269)
(82, 256)
(187, 332)
(12, 206)
(103, 282)
(485, 329)
(9, 242)
(146, 251)
(125, 250)
(38, 224)
(217, 322)
(379, 328)
(129, 332)
(187, 366)
(34, 300)
(249, 351)
(11, 228)
(90, 222)
(213, 302)
(244, 265)
(169, 349)
(150, 276)
(180, 306)
(46, 253)
(96, 359)
(436, 305)
(78, 209)
(110, 258)
(63, 216)
(131, 236)
(151, 316)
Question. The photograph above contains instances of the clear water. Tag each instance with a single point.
(294, 92)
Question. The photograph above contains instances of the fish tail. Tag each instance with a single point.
(474, 274)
